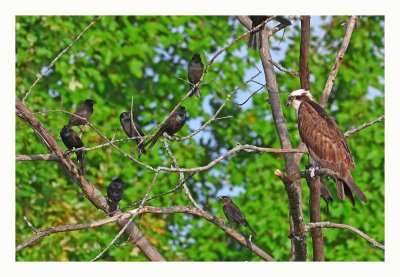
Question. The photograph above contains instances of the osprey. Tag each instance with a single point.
(325, 142)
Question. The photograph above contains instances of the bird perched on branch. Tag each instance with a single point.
(132, 129)
(85, 111)
(172, 125)
(114, 194)
(255, 36)
(71, 140)
(233, 214)
(325, 142)
(195, 71)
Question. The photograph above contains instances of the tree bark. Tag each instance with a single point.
(293, 189)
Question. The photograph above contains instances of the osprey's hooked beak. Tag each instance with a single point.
(219, 198)
(288, 102)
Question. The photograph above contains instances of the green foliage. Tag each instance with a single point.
(145, 58)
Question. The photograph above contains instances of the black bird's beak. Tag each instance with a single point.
(219, 198)
(287, 104)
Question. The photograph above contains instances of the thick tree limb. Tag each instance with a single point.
(304, 71)
(315, 216)
(351, 23)
(314, 225)
(89, 190)
(313, 183)
(292, 189)
(124, 217)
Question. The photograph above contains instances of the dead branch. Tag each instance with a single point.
(152, 210)
(351, 23)
(363, 126)
(314, 225)
(50, 66)
(281, 68)
(294, 195)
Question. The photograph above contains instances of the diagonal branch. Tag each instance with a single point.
(50, 66)
(152, 210)
(351, 23)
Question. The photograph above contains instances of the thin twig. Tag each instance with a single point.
(313, 225)
(281, 68)
(30, 225)
(363, 126)
(50, 66)
(181, 175)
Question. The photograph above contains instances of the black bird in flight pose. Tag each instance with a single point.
(171, 126)
(85, 111)
(233, 214)
(195, 71)
(71, 140)
(255, 36)
(132, 130)
(114, 194)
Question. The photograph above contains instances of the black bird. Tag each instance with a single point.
(172, 125)
(195, 71)
(255, 36)
(132, 130)
(85, 111)
(114, 194)
(233, 214)
(71, 140)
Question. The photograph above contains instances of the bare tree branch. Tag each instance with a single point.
(294, 194)
(181, 175)
(363, 126)
(50, 66)
(153, 210)
(314, 225)
(281, 68)
(351, 23)
(38, 157)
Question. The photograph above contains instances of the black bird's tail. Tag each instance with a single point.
(112, 207)
(141, 149)
(81, 160)
(251, 229)
(196, 92)
(255, 39)
(153, 140)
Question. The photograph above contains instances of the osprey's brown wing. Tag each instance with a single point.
(327, 146)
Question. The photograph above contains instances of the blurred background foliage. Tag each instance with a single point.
(146, 57)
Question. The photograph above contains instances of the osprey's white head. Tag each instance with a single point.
(294, 98)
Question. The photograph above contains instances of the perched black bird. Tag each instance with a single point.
(195, 71)
(255, 36)
(85, 111)
(233, 214)
(114, 194)
(71, 140)
(172, 125)
(132, 130)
